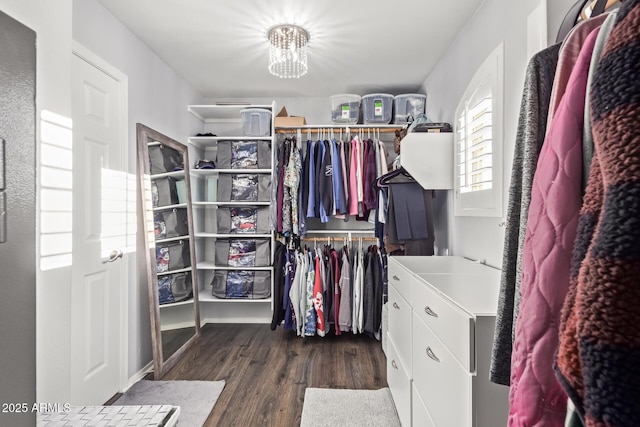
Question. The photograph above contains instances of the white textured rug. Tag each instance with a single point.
(195, 398)
(349, 408)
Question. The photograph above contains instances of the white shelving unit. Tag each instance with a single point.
(225, 122)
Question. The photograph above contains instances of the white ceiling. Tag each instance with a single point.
(220, 46)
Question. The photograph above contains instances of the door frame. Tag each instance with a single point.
(123, 82)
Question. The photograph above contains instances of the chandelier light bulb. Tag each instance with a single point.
(288, 51)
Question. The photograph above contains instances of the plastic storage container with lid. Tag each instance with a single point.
(345, 108)
(256, 122)
(377, 108)
(408, 106)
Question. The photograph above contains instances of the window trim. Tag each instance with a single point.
(485, 203)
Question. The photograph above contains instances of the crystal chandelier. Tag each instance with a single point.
(288, 51)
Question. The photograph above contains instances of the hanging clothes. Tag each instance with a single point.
(335, 281)
(318, 299)
(532, 125)
(289, 318)
(337, 181)
(535, 396)
(325, 287)
(345, 292)
(291, 182)
(279, 259)
(597, 359)
(587, 142)
(370, 174)
(569, 52)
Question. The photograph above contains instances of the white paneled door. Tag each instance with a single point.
(99, 235)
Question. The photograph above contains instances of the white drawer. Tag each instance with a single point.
(443, 384)
(400, 278)
(453, 326)
(399, 384)
(420, 416)
(400, 325)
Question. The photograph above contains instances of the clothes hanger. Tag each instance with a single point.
(570, 20)
(598, 7)
(396, 176)
(578, 13)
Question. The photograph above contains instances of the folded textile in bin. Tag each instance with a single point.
(242, 253)
(244, 187)
(174, 287)
(170, 223)
(243, 220)
(241, 284)
(243, 155)
(172, 256)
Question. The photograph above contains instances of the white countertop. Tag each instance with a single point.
(441, 265)
(472, 286)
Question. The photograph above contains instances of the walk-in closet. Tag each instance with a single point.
(294, 213)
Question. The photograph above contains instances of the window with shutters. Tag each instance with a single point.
(478, 144)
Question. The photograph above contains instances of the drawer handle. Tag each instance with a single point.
(394, 364)
(396, 278)
(432, 355)
(430, 312)
(395, 305)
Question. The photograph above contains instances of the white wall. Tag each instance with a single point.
(158, 98)
(556, 11)
(495, 21)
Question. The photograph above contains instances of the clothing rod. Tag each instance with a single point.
(364, 231)
(317, 129)
(364, 239)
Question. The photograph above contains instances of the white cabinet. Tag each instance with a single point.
(218, 246)
(428, 157)
(453, 305)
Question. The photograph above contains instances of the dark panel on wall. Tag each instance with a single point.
(17, 223)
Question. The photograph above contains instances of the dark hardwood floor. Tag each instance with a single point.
(267, 372)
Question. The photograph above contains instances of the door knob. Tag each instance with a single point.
(113, 256)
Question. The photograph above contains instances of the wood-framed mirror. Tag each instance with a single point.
(165, 203)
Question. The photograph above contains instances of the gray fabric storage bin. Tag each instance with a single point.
(243, 252)
(174, 287)
(243, 220)
(241, 284)
(164, 192)
(164, 159)
(243, 155)
(170, 223)
(172, 256)
(244, 187)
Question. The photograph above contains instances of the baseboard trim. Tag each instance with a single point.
(139, 375)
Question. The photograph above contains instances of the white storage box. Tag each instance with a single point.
(377, 108)
(256, 122)
(409, 105)
(345, 108)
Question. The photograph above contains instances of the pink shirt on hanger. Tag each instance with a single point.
(353, 179)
